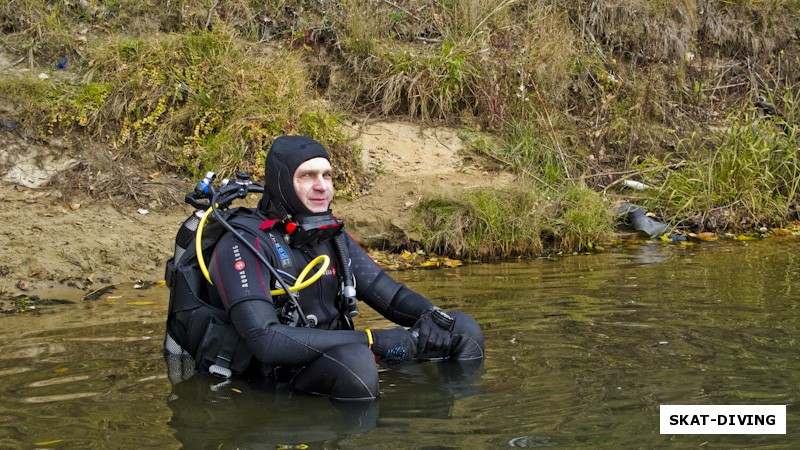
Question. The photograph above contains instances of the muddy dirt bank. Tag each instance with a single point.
(60, 245)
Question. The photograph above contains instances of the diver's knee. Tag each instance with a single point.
(467, 337)
(358, 377)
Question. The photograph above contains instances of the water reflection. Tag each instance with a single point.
(263, 414)
(581, 351)
(208, 412)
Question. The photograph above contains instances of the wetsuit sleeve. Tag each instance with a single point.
(392, 299)
(243, 283)
(281, 345)
(237, 273)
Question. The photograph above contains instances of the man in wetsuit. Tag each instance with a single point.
(329, 357)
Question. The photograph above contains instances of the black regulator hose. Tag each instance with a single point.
(349, 289)
(241, 192)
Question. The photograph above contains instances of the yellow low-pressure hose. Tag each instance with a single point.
(299, 284)
(198, 244)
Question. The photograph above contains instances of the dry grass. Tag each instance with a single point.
(640, 29)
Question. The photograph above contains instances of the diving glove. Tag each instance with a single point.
(434, 328)
(393, 345)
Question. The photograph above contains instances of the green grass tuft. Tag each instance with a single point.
(745, 176)
(514, 222)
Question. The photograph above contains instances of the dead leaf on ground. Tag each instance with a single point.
(706, 236)
(451, 262)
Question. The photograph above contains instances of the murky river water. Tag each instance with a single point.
(581, 351)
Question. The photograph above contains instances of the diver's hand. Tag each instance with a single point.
(396, 344)
(433, 329)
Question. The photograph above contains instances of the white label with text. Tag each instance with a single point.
(723, 419)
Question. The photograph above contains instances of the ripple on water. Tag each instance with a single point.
(581, 352)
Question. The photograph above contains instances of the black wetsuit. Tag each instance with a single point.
(329, 358)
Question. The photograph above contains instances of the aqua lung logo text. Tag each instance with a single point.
(239, 266)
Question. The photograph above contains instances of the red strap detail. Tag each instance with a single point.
(268, 224)
(290, 227)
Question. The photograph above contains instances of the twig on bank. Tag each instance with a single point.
(628, 172)
(400, 8)
(15, 63)
(211, 13)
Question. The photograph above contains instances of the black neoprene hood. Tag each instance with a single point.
(285, 155)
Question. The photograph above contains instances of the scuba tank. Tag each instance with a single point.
(198, 334)
(186, 233)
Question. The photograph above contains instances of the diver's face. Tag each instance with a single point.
(313, 184)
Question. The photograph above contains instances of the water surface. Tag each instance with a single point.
(581, 351)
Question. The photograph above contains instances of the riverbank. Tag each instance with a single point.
(63, 244)
(557, 107)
